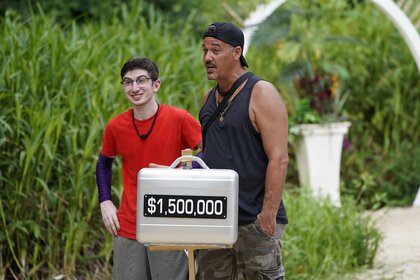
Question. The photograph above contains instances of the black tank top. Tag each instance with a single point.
(235, 144)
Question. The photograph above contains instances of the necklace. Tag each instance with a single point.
(222, 113)
(224, 110)
(144, 136)
(228, 96)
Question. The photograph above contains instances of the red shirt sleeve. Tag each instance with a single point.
(191, 131)
(108, 143)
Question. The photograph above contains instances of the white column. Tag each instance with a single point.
(417, 200)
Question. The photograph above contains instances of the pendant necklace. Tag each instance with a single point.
(222, 113)
(229, 94)
(144, 136)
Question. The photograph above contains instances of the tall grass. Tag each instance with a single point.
(59, 86)
(323, 241)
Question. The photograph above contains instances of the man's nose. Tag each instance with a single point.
(208, 57)
(135, 87)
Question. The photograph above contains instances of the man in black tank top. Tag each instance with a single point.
(244, 123)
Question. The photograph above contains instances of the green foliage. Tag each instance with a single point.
(374, 187)
(202, 13)
(64, 11)
(356, 42)
(323, 241)
(301, 47)
(59, 86)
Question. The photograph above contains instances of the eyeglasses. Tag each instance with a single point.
(141, 81)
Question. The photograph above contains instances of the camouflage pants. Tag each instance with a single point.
(255, 256)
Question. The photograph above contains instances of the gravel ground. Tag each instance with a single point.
(399, 253)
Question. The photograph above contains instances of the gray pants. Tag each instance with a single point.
(134, 261)
(255, 256)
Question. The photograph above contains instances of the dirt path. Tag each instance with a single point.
(399, 254)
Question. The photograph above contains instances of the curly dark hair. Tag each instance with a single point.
(141, 63)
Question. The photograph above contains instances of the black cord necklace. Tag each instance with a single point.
(144, 136)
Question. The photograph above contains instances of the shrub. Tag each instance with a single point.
(323, 241)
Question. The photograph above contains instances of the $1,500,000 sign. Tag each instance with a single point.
(185, 206)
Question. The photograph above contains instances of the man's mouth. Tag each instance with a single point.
(210, 67)
(136, 95)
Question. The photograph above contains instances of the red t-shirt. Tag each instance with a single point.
(174, 130)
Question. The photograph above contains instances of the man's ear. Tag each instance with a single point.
(156, 85)
(238, 52)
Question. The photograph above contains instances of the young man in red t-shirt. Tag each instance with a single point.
(149, 133)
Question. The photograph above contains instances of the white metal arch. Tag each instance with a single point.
(388, 7)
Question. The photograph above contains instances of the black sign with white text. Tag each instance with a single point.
(185, 206)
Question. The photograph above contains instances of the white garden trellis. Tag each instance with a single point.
(388, 7)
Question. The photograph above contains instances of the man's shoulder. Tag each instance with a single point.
(179, 115)
(265, 95)
(173, 111)
(121, 117)
(263, 89)
(263, 84)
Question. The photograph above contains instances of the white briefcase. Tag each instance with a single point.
(187, 206)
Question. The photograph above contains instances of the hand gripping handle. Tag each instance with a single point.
(192, 158)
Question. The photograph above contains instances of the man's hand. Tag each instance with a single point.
(267, 223)
(155, 165)
(109, 216)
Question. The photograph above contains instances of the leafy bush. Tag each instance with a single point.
(202, 12)
(322, 241)
(374, 186)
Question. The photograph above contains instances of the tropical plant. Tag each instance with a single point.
(301, 47)
(321, 99)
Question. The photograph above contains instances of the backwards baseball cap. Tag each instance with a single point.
(228, 33)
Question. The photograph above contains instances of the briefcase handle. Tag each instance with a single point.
(192, 158)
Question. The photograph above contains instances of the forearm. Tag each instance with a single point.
(104, 177)
(103, 180)
(274, 185)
